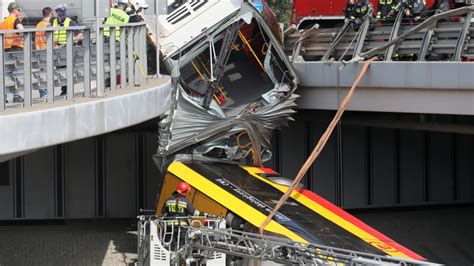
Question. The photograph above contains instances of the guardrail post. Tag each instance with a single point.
(99, 62)
(137, 56)
(113, 59)
(49, 66)
(123, 57)
(131, 59)
(27, 69)
(70, 64)
(87, 62)
(2, 75)
(144, 52)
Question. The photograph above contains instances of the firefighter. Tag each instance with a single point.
(176, 211)
(363, 9)
(177, 205)
(413, 9)
(349, 10)
(387, 10)
(117, 16)
(13, 41)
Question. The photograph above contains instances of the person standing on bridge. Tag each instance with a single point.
(60, 36)
(363, 10)
(413, 9)
(40, 37)
(387, 10)
(117, 16)
(13, 42)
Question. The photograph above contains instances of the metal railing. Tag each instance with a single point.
(86, 67)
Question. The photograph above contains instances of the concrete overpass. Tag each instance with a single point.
(401, 87)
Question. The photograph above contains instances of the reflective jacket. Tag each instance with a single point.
(40, 36)
(11, 39)
(178, 206)
(61, 35)
(387, 8)
(361, 11)
(117, 17)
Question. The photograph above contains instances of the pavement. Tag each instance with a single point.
(69, 243)
(441, 234)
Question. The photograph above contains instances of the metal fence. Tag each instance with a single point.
(86, 68)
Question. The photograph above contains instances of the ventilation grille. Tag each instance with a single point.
(185, 11)
(160, 253)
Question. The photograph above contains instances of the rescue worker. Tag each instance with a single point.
(13, 41)
(60, 36)
(177, 205)
(40, 36)
(176, 211)
(363, 9)
(349, 10)
(117, 16)
(387, 10)
(62, 20)
(136, 10)
(413, 9)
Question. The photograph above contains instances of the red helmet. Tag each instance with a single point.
(183, 188)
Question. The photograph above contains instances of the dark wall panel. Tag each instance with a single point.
(383, 166)
(441, 172)
(120, 180)
(465, 167)
(412, 166)
(6, 190)
(39, 184)
(153, 176)
(80, 179)
(293, 147)
(354, 166)
(324, 170)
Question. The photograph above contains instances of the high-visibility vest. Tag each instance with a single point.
(117, 17)
(385, 2)
(11, 39)
(40, 36)
(61, 35)
(361, 10)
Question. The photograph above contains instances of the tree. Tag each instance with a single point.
(282, 9)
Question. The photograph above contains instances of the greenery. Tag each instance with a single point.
(282, 9)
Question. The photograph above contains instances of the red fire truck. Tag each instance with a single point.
(331, 12)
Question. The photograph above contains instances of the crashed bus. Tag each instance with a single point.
(232, 87)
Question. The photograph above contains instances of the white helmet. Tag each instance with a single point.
(139, 4)
(123, 2)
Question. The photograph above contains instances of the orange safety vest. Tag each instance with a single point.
(40, 36)
(11, 39)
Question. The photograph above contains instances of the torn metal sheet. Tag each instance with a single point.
(233, 85)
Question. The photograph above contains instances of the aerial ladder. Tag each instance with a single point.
(209, 242)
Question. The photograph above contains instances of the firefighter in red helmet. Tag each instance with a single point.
(177, 205)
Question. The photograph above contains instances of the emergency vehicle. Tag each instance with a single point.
(305, 13)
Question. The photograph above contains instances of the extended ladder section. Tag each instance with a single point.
(280, 250)
(441, 37)
(204, 244)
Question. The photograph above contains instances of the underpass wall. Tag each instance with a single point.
(371, 167)
(110, 176)
(362, 166)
